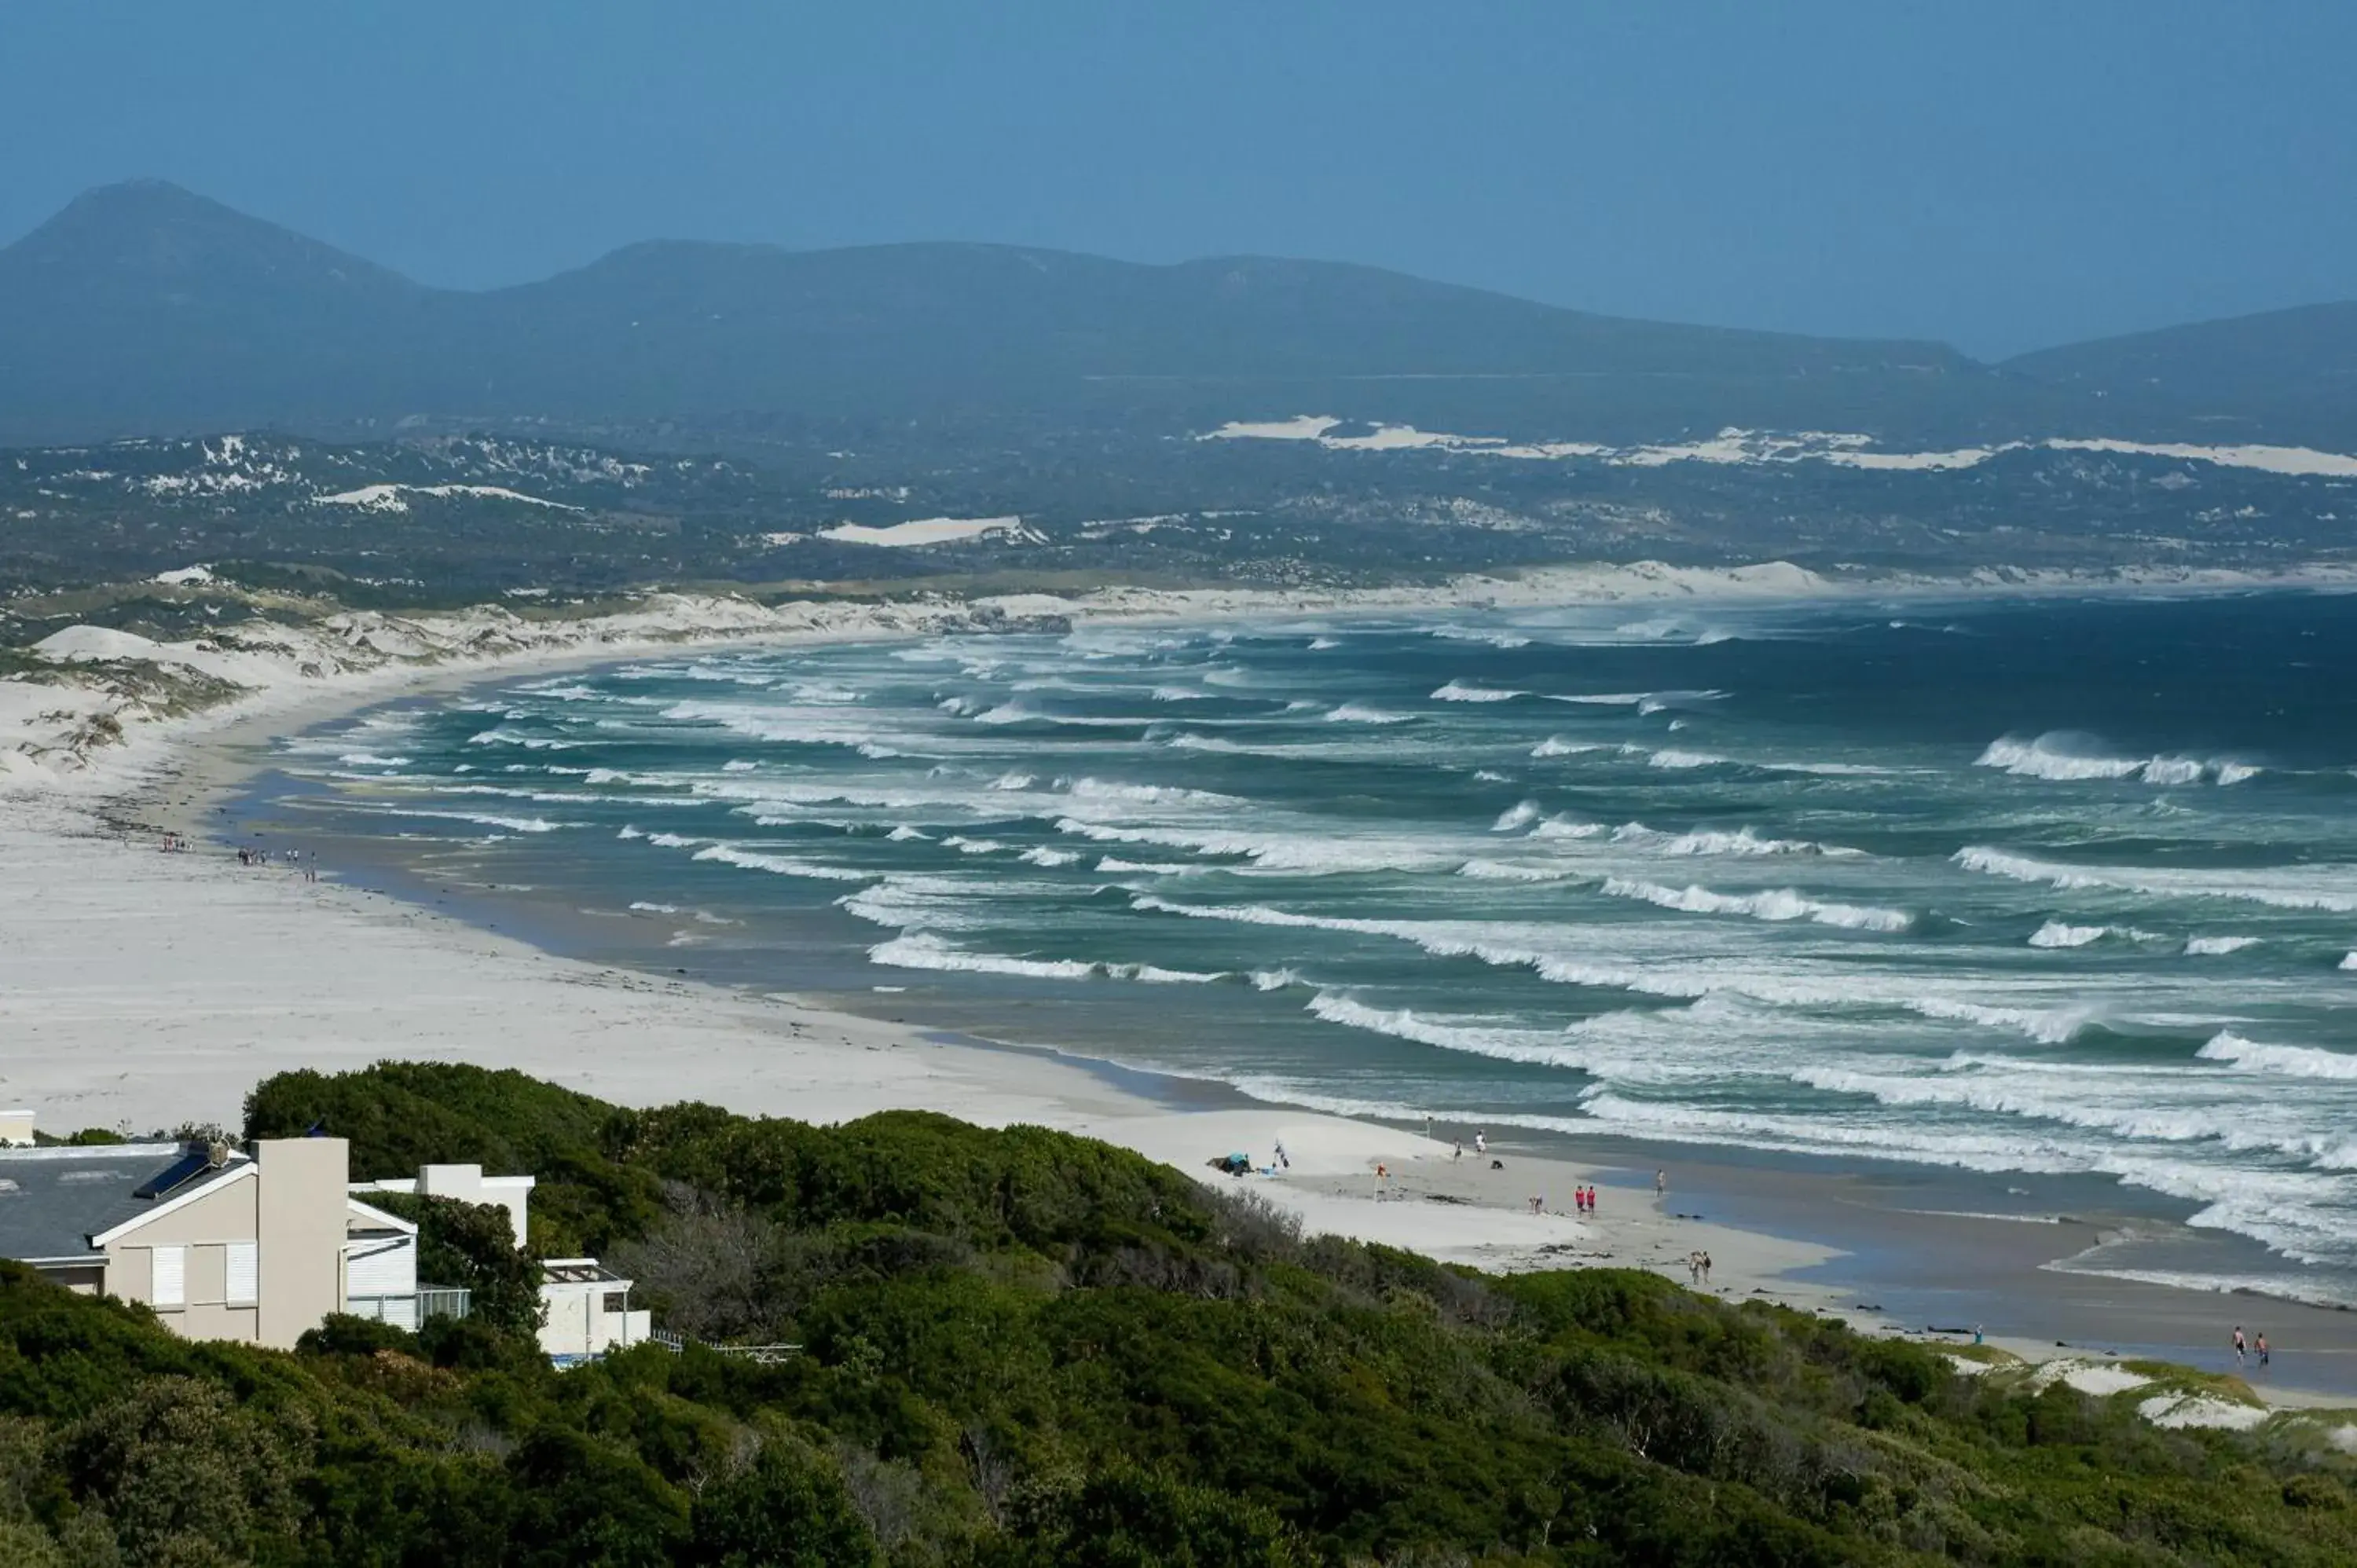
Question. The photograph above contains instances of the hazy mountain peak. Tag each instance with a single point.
(153, 230)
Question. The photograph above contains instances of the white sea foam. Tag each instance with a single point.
(1566, 828)
(2295, 1061)
(2055, 934)
(484, 819)
(783, 865)
(1559, 956)
(503, 736)
(785, 727)
(1113, 866)
(1360, 713)
(1711, 842)
(1777, 904)
(1494, 636)
(1295, 854)
(1515, 871)
(1466, 691)
(2302, 887)
(1042, 856)
(370, 760)
(1557, 746)
(1504, 1042)
(922, 949)
(965, 845)
(2213, 947)
(654, 909)
(1517, 816)
(2065, 758)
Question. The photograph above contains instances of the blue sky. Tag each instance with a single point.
(2002, 176)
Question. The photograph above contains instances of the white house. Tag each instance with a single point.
(585, 1306)
(262, 1248)
(221, 1245)
(586, 1310)
(468, 1184)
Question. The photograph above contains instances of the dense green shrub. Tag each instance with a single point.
(1023, 1349)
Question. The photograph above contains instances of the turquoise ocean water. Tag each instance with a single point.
(2036, 888)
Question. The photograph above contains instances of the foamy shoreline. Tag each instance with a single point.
(154, 989)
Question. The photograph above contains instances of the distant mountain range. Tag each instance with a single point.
(144, 309)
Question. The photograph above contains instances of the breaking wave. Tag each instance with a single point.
(2294, 1061)
(1466, 691)
(2305, 888)
(2064, 757)
(1780, 903)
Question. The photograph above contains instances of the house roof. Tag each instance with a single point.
(377, 1218)
(53, 1201)
(578, 1272)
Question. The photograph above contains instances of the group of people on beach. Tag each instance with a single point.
(1698, 1267)
(307, 862)
(2243, 1348)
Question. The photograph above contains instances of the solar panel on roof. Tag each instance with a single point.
(176, 1174)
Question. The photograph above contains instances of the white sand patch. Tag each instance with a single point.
(1734, 446)
(1403, 438)
(928, 531)
(394, 498)
(2201, 1410)
(2297, 460)
(2098, 1378)
(186, 577)
(1300, 427)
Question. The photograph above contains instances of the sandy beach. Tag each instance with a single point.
(143, 990)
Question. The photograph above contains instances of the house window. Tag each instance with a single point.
(617, 1301)
(244, 1273)
(168, 1282)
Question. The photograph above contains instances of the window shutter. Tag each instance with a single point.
(169, 1285)
(244, 1273)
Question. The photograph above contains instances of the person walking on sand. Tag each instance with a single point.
(1283, 1160)
(2260, 1345)
(1481, 1141)
(1694, 1269)
(2238, 1345)
(1459, 1153)
(1660, 1184)
(1706, 1271)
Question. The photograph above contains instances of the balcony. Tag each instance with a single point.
(411, 1311)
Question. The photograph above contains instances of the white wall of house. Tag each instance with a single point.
(468, 1184)
(589, 1318)
(253, 1253)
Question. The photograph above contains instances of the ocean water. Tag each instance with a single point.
(2038, 887)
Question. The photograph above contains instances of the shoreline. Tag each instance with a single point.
(589, 1025)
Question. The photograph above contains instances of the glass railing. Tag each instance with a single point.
(407, 1311)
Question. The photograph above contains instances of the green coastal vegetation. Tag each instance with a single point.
(1020, 1347)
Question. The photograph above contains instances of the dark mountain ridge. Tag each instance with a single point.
(2294, 370)
(142, 308)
